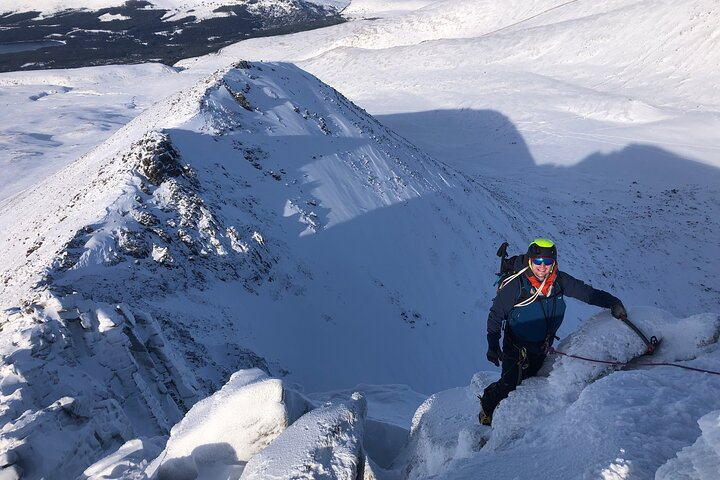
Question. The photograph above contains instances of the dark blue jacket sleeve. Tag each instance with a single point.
(503, 302)
(572, 287)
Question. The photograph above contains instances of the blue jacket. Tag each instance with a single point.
(532, 325)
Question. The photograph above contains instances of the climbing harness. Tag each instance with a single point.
(552, 351)
(522, 363)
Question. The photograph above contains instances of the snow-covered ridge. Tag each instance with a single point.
(141, 158)
(74, 199)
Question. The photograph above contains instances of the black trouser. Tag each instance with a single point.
(512, 374)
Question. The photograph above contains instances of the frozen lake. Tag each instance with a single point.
(27, 46)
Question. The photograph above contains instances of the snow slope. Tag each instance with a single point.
(256, 219)
(554, 105)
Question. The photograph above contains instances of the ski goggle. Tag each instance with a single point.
(543, 261)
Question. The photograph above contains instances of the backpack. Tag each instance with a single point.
(509, 266)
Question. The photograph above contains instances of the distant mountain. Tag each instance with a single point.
(37, 35)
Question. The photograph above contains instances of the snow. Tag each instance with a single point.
(701, 459)
(324, 443)
(109, 17)
(230, 427)
(445, 428)
(251, 217)
(379, 8)
(131, 457)
(338, 5)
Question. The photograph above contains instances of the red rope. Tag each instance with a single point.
(552, 351)
(653, 364)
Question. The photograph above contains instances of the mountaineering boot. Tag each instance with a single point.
(485, 419)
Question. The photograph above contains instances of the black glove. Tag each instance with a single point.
(618, 311)
(494, 355)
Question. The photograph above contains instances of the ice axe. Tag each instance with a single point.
(502, 253)
(651, 344)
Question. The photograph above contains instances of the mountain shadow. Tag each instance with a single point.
(488, 142)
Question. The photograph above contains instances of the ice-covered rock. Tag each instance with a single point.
(73, 389)
(445, 427)
(35, 442)
(222, 432)
(326, 443)
(700, 461)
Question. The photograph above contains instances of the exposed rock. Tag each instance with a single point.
(133, 243)
(157, 159)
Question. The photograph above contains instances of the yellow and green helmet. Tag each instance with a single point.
(542, 247)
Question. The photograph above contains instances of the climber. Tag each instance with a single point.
(531, 305)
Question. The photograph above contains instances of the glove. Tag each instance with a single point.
(618, 311)
(494, 356)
